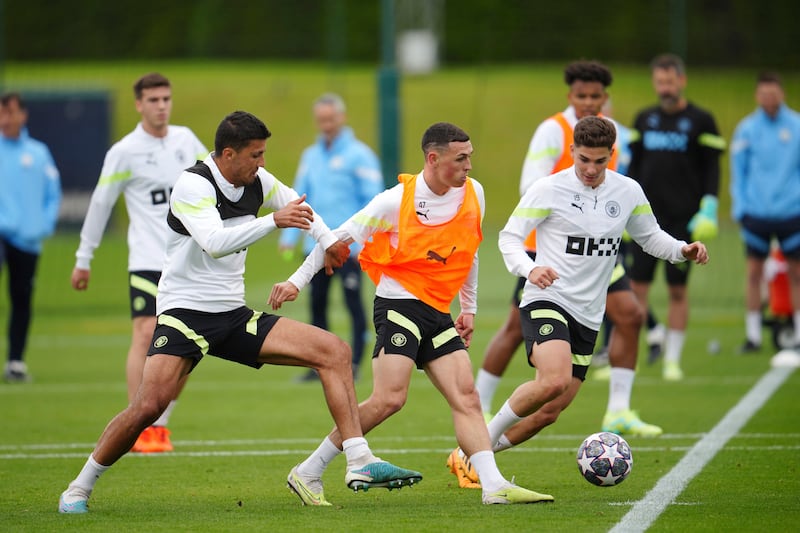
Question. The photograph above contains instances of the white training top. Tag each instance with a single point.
(204, 271)
(546, 148)
(382, 214)
(578, 231)
(144, 168)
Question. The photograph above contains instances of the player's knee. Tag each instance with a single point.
(546, 416)
(390, 402)
(337, 352)
(554, 386)
(147, 410)
(632, 317)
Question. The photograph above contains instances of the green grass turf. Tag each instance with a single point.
(238, 431)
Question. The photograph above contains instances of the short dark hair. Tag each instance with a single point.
(441, 134)
(769, 76)
(595, 132)
(587, 71)
(237, 130)
(7, 98)
(668, 61)
(149, 81)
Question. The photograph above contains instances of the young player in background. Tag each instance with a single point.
(143, 166)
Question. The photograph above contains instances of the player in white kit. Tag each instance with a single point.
(143, 166)
(213, 219)
(580, 214)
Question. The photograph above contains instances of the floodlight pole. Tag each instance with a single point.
(677, 29)
(388, 98)
(2, 44)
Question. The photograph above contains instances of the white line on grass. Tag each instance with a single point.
(395, 451)
(418, 438)
(648, 509)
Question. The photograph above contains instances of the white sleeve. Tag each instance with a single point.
(277, 195)
(543, 152)
(644, 229)
(113, 178)
(529, 213)
(380, 214)
(193, 202)
(468, 294)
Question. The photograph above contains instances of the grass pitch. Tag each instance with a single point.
(238, 432)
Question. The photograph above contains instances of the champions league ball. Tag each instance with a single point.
(605, 459)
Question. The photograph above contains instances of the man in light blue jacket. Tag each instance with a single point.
(765, 189)
(339, 175)
(28, 214)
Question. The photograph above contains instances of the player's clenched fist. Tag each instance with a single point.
(335, 256)
(542, 277)
(282, 292)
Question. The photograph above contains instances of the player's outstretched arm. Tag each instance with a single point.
(696, 252)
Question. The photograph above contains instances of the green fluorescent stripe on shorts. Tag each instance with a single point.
(252, 324)
(400, 320)
(144, 285)
(188, 332)
(444, 337)
(581, 360)
(548, 313)
(617, 273)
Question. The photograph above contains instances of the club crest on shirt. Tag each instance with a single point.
(612, 209)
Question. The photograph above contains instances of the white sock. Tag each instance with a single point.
(672, 352)
(486, 384)
(89, 474)
(316, 463)
(502, 444)
(357, 452)
(504, 419)
(619, 389)
(752, 326)
(163, 420)
(486, 468)
(796, 318)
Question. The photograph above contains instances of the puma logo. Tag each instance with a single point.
(424, 214)
(433, 256)
(573, 204)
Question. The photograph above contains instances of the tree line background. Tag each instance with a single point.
(709, 32)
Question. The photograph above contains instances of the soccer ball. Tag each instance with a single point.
(605, 459)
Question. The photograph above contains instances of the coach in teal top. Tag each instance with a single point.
(28, 214)
(339, 174)
(765, 191)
